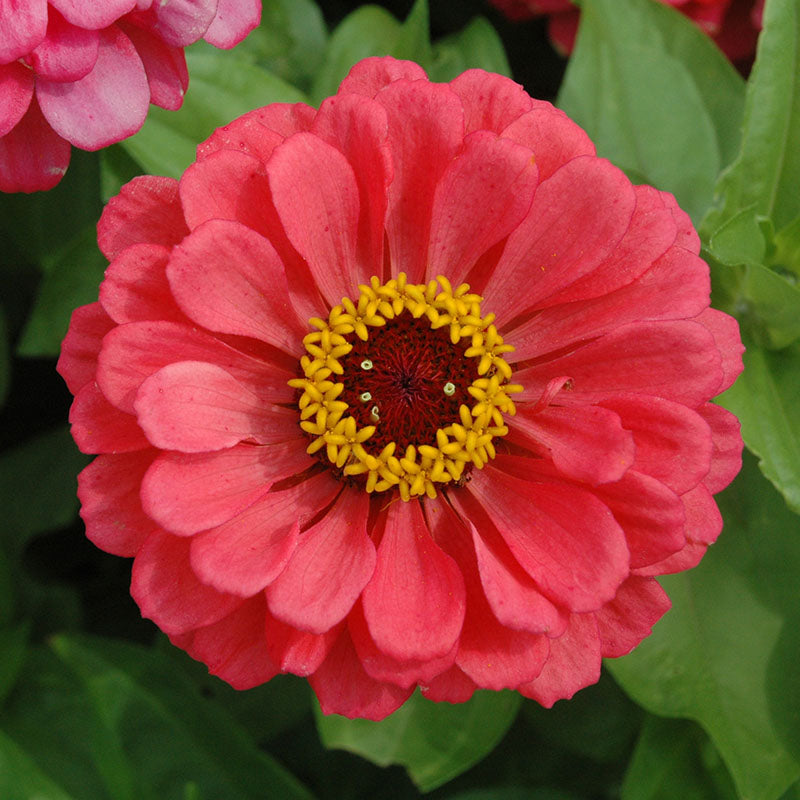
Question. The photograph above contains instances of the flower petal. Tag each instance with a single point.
(491, 102)
(315, 192)
(333, 561)
(67, 53)
(108, 104)
(21, 28)
(77, 363)
(195, 407)
(247, 553)
(562, 536)
(233, 21)
(99, 427)
(110, 508)
(93, 16)
(146, 210)
(414, 603)
(16, 92)
(586, 443)
(187, 493)
(169, 593)
(573, 663)
(725, 330)
(343, 687)
(298, 652)
(452, 686)
(726, 460)
(182, 22)
(483, 195)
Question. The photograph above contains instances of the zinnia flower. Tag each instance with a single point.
(408, 391)
(84, 72)
(732, 24)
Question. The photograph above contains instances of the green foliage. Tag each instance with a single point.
(433, 741)
(725, 655)
(655, 95)
(477, 45)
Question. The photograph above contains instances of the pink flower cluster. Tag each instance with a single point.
(83, 73)
(304, 417)
(733, 24)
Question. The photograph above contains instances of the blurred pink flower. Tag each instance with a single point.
(733, 24)
(304, 416)
(83, 73)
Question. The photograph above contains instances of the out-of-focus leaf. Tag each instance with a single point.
(37, 487)
(435, 742)
(414, 37)
(70, 280)
(13, 646)
(111, 720)
(766, 174)
(726, 654)
(478, 45)
(22, 779)
(116, 169)
(787, 248)
(600, 722)
(222, 87)
(5, 358)
(765, 398)
(665, 112)
(674, 758)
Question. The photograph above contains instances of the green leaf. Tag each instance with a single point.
(673, 758)
(71, 279)
(414, 38)
(726, 654)
(37, 487)
(477, 46)
(21, 778)
(222, 87)
(13, 646)
(764, 398)
(766, 174)
(655, 95)
(787, 248)
(435, 742)
(113, 720)
(116, 169)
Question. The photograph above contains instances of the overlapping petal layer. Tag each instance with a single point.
(258, 557)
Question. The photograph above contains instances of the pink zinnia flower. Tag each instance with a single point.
(83, 73)
(329, 455)
(733, 24)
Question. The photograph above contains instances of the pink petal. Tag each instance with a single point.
(16, 91)
(67, 53)
(146, 210)
(370, 75)
(342, 686)
(586, 443)
(562, 536)
(333, 561)
(168, 592)
(195, 407)
(426, 130)
(678, 275)
(110, 508)
(259, 132)
(234, 648)
(77, 363)
(247, 553)
(725, 330)
(315, 192)
(554, 138)
(298, 652)
(673, 443)
(135, 287)
(23, 24)
(229, 279)
(675, 360)
(574, 663)
(93, 15)
(703, 520)
(687, 558)
(358, 128)
(378, 665)
(630, 616)
(133, 352)
(108, 104)
(187, 493)
(414, 603)
(491, 102)
(234, 20)
(726, 460)
(99, 427)
(484, 194)
(164, 66)
(651, 515)
(182, 22)
(452, 686)
(33, 157)
(577, 218)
